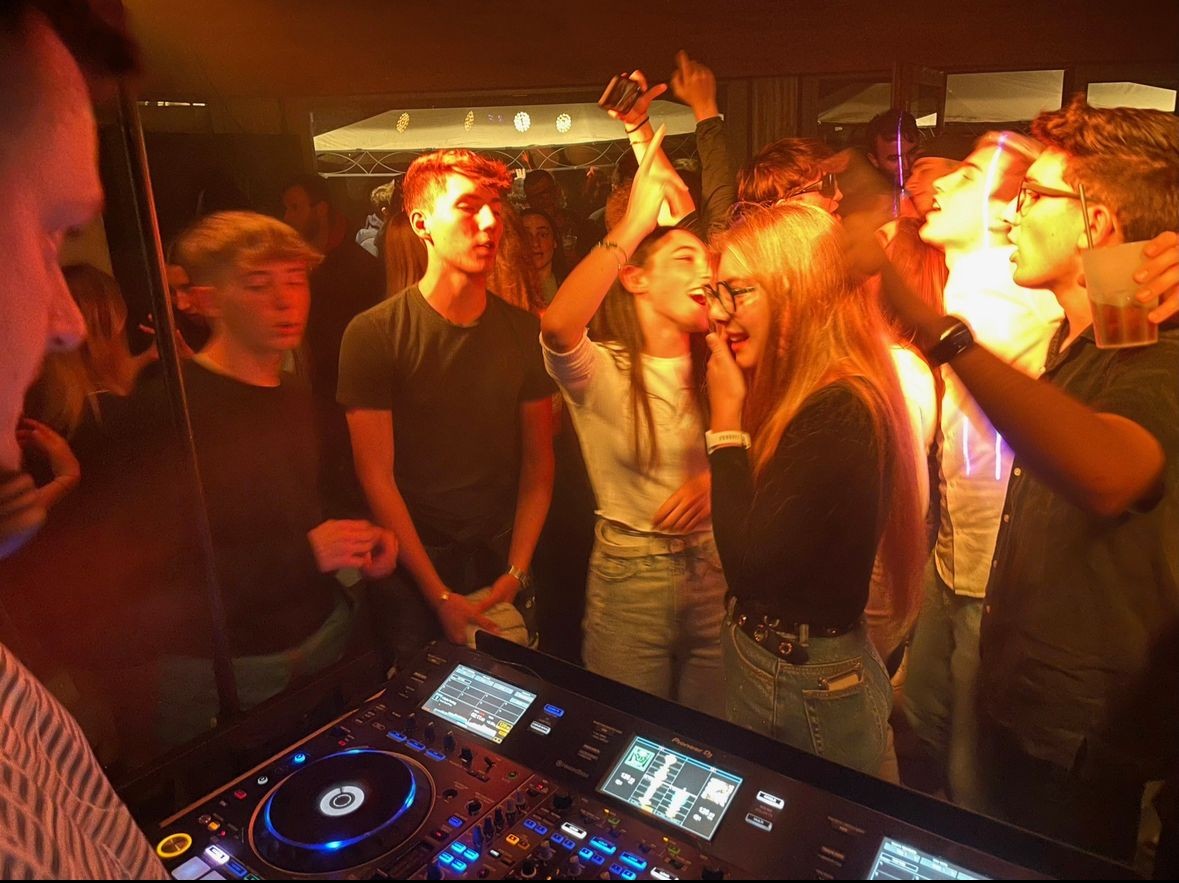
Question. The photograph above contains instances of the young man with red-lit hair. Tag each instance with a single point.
(1078, 702)
(974, 463)
(449, 409)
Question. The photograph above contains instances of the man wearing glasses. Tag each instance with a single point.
(1079, 702)
(974, 462)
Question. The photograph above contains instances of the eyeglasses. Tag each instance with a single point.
(825, 187)
(725, 296)
(1030, 193)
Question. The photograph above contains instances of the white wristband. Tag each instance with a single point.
(729, 438)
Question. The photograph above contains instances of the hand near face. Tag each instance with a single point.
(726, 386)
(1159, 277)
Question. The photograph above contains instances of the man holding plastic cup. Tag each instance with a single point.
(1078, 708)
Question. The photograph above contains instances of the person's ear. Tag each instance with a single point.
(1103, 227)
(204, 300)
(633, 279)
(420, 224)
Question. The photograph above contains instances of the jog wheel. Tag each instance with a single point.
(341, 811)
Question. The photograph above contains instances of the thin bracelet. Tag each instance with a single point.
(640, 125)
(607, 244)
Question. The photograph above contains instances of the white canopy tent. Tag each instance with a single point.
(1001, 97)
(507, 127)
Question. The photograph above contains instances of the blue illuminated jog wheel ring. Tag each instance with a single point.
(341, 811)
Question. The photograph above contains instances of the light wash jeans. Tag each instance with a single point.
(836, 705)
(653, 611)
(941, 690)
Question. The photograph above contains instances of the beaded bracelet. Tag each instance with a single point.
(607, 244)
(640, 125)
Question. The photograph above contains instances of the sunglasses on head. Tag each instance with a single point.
(825, 187)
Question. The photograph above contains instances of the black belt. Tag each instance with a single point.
(785, 639)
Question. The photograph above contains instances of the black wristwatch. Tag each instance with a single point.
(951, 343)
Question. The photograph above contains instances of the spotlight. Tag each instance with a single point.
(522, 121)
(403, 122)
(469, 120)
(564, 123)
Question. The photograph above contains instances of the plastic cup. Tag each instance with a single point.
(1118, 319)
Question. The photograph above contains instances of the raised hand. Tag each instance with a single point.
(695, 84)
(638, 111)
(655, 183)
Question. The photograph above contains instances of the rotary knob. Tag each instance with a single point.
(575, 867)
(563, 801)
(430, 732)
(448, 742)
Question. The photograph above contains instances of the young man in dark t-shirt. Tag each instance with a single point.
(255, 432)
(455, 376)
(1078, 706)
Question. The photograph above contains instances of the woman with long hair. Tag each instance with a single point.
(404, 254)
(655, 591)
(547, 259)
(812, 458)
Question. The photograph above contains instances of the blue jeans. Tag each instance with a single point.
(941, 689)
(836, 705)
(653, 611)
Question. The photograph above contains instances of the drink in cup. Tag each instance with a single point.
(1118, 319)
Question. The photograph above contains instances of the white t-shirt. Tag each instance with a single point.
(1016, 324)
(595, 381)
(59, 816)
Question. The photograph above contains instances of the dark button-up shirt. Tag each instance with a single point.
(1077, 603)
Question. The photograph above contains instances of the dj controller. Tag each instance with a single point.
(470, 765)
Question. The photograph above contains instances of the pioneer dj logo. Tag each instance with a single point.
(577, 772)
(695, 749)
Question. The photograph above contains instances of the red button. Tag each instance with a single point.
(240, 794)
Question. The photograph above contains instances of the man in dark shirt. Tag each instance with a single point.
(456, 377)
(1085, 579)
(254, 426)
(348, 281)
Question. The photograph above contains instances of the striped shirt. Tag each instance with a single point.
(59, 816)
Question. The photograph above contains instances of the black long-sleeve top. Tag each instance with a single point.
(802, 542)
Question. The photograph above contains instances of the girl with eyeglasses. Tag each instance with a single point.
(811, 450)
(655, 590)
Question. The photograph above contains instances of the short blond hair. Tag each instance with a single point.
(222, 242)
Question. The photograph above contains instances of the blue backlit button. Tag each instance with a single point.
(416, 745)
(396, 736)
(573, 831)
(660, 874)
(758, 822)
(300, 758)
(628, 874)
(598, 859)
(458, 848)
(445, 857)
(538, 727)
(435, 755)
(629, 858)
(471, 856)
(771, 800)
(193, 869)
(529, 824)
(459, 866)
(586, 854)
(541, 829)
(603, 846)
(237, 867)
(619, 871)
(454, 822)
(554, 711)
